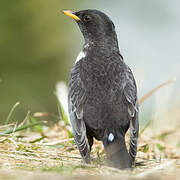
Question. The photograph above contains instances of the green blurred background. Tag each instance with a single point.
(38, 45)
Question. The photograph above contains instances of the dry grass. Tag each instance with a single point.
(55, 155)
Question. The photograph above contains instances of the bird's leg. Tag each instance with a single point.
(90, 141)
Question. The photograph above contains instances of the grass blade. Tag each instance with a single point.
(64, 116)
(10, 113)
(142, 99)
(39, 139)
(39, 127)
(62, 112)
(12, 130)
(145, 127)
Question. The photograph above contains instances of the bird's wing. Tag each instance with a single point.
(130, 92)
(76, 99)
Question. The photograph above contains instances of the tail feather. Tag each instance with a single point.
(117, 154)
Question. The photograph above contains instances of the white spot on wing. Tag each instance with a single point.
(80, 56)
(110, 137)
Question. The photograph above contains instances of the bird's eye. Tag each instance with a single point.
(86, 18)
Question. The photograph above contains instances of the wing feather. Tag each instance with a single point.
(76, 99)
(130, 92)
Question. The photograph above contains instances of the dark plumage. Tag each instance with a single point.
(102, 92)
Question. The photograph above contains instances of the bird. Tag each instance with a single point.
(102, 99)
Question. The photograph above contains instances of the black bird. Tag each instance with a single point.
(102, 97)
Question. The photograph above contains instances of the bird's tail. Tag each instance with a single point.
(117, 154)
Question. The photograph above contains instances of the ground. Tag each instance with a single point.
(34, 154)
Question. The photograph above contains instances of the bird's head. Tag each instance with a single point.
(94, 25)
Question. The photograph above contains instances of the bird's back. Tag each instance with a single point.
(103, 79)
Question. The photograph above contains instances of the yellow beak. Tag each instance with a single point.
(71, 14)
